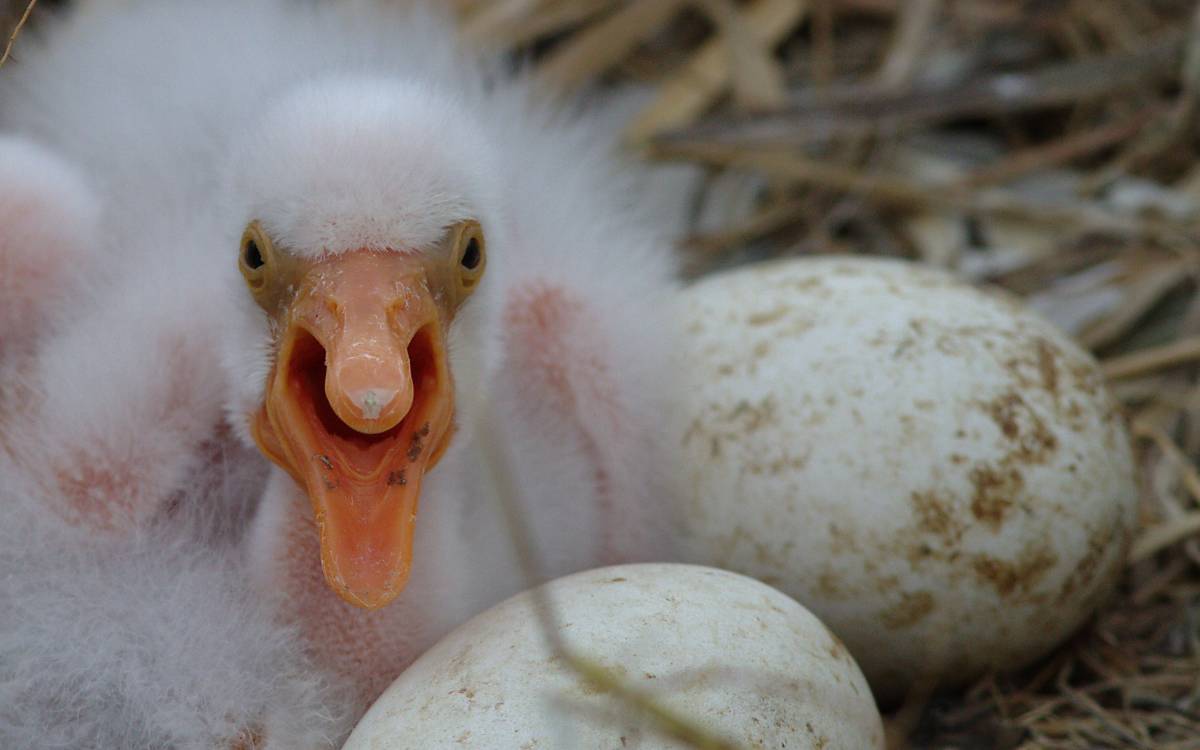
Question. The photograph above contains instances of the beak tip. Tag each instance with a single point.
(364, 597)
(365, 590)
(371, 402)
(371, 410)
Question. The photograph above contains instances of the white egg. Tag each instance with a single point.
(739, 658)
(935, 471)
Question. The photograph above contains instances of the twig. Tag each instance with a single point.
(1176, 125)
(815, 116)
(12, 38)
(1061, 151)
(489, 26)
(663, 719)
(900, 725)
(910, 40)
(1191, 476)
(756, 79)
(900, 192)
(1157, 538)
(1144, 290)
(706, 75)
(1143, 361)
(822, 42)
(763, 221)
(1088, 705)
(604, 43)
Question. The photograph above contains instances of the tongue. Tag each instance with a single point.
(366, 529)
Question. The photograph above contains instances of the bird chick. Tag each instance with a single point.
(345, 238)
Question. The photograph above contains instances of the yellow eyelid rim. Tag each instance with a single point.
(255, 277)
(464, 232)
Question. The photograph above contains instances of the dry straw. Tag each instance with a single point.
(13, 28)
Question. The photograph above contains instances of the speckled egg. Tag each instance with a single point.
(935, 471)
(740, 659)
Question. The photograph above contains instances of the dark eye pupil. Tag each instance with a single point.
(472, 255)
(254, 258)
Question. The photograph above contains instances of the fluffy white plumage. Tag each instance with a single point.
(155, 641)
(347, 125)
(47, 206)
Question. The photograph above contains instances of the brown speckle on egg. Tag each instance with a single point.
(911, 609)
(995, 493)
(1007, 577)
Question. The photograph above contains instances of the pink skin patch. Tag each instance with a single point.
(561, 352)
(96, 487)
(100, 496)
(121, 478)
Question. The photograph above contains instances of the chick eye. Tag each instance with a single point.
(253, 255)
(471, 252)
(472, 255)
(256, 252)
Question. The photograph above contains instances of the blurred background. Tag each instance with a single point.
(1045, 146)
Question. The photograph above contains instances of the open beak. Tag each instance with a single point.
(358, 408)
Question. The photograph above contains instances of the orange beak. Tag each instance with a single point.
(358, 408)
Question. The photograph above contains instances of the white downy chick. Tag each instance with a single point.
(406, 222)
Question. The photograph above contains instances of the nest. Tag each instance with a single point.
(1046, 146)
